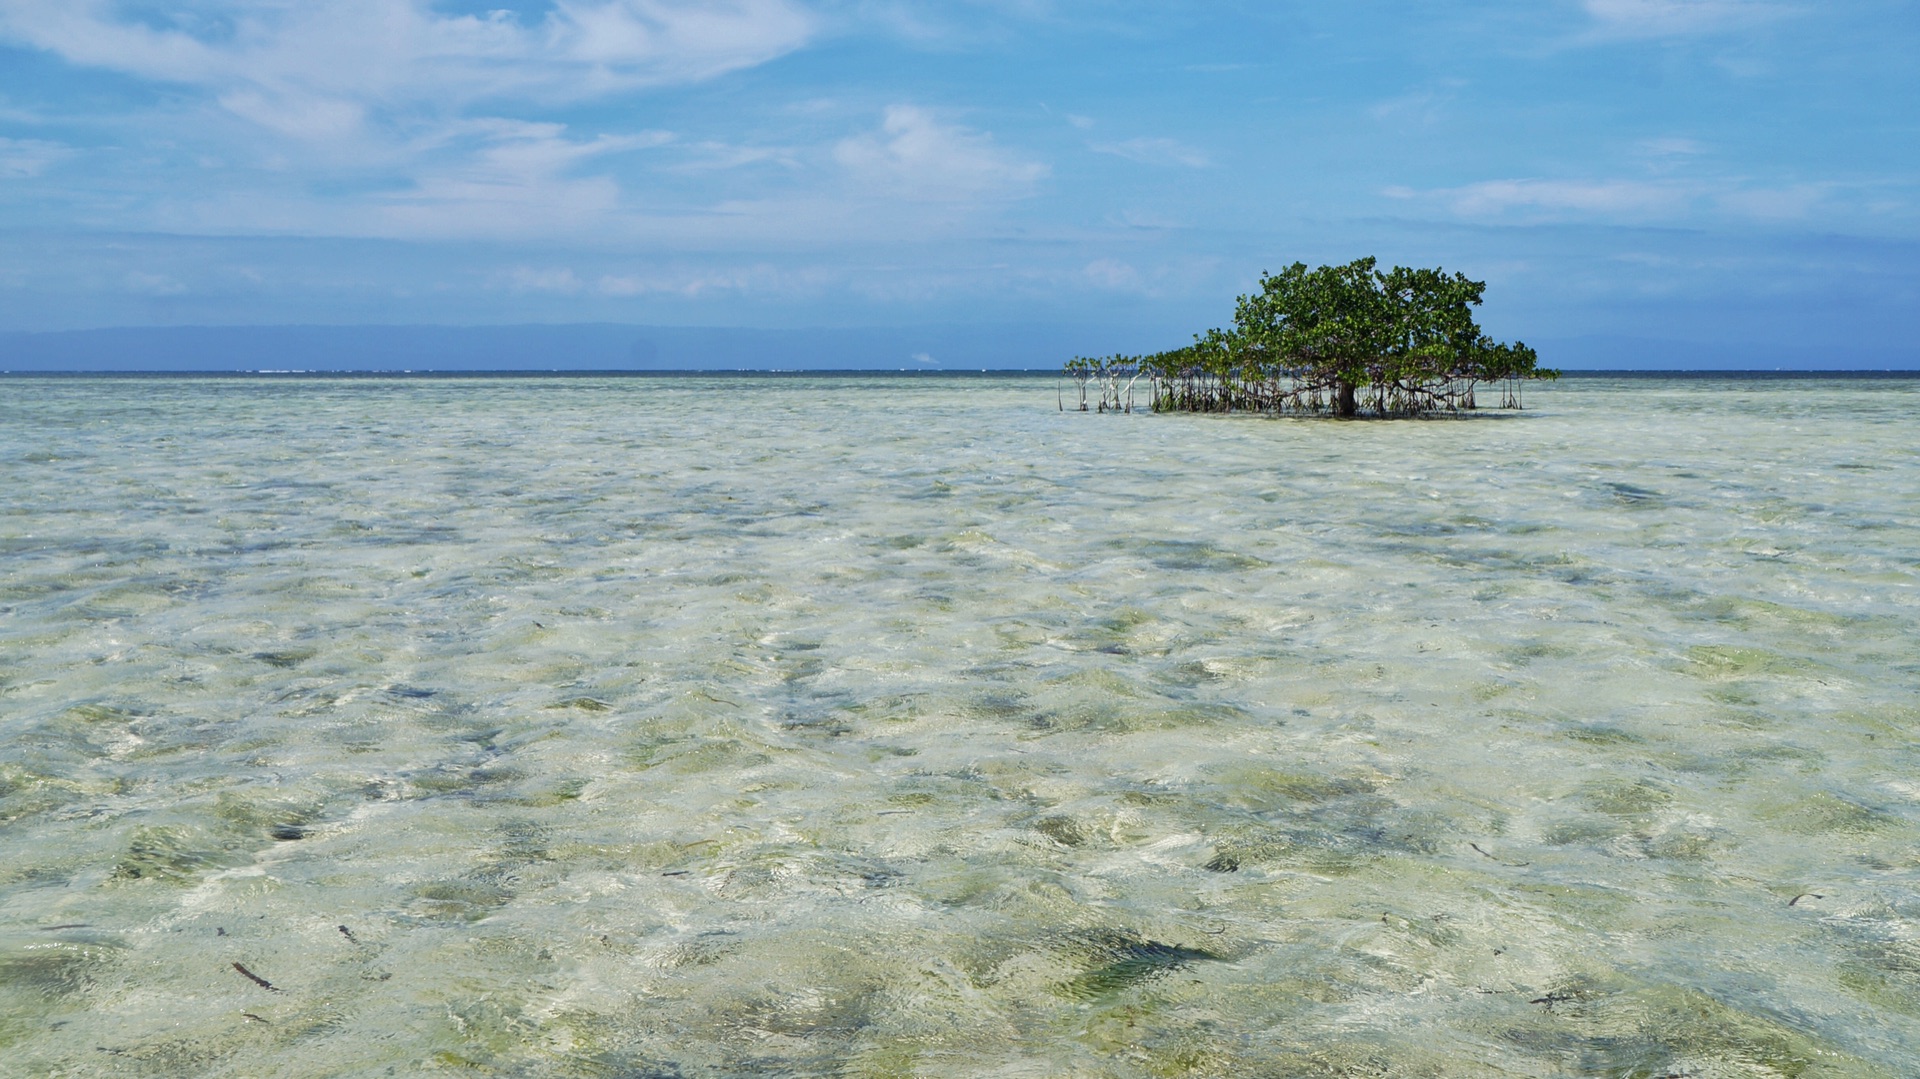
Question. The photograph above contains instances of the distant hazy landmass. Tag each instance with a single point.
(583, 347)
(616, 347)
(1615, 353)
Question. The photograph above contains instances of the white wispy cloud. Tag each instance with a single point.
(1113, 274)
(22, 159)
(300, 116)
(550, 279)
(942, 26)
(1424, 106)
(1790, 203)
(1673, 146)
(1670, 18)
(689, 283)
(393, 96)
(1630, 201)
(317, 70)
(1154, 152)
(153, 284)
(520, 150)
(714, 156)
(1634, 198)
(510, 178)
(395, 103)
(916, 156)
(672, 281)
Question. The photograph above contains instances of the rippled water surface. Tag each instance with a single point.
(907, 726)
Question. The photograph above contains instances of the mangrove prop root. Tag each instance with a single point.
(1109, 385)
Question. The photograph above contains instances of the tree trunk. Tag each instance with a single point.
(1343, 405)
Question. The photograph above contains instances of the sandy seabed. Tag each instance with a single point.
(863, 726)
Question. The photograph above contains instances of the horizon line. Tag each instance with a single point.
(638, 372)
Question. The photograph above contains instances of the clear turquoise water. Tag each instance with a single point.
(866, 727)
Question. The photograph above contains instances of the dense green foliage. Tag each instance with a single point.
(1346, 339)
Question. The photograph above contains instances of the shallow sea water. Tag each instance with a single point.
(846, 726)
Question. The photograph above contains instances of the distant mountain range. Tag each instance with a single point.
(616, 347)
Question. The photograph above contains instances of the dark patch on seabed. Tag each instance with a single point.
(1119, 960)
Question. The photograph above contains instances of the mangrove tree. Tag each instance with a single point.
(1347, 340)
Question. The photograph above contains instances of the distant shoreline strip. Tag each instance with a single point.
(922, 373)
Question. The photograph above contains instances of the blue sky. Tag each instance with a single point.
(1734, 172)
